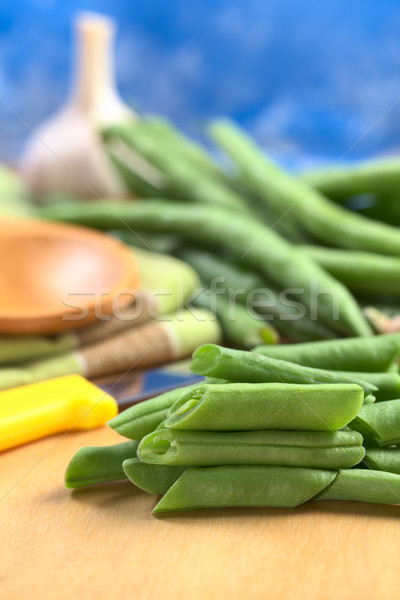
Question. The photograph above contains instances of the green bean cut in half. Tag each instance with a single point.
(153, 479)
(314, 449)
(350, 354)
(364, 485)
(142, 418)
(248, 407)
(379, 423)
(94, 464)
(241, 366)
(383, 459)
(247, 486)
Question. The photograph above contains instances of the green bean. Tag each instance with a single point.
(142, 418)
(141, 181)
(94, 464)
(359, 271)
(238, 326)
(252, 406)
(158, 133)
(379, 423)
(388, 383)
(161, 244)
(320, 217)
(228, 486)
(245, 238)
(370, 399)
(240, 366)
(211, 266)
(179, 178)
(370, 176)
(383, 459)
(364, 485)
(375, 354)
(320, 450)
(246, 285)
(381, 208)
(153, 479)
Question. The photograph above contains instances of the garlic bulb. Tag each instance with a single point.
(65, 154)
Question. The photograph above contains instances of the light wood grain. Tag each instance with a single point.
(103, 542)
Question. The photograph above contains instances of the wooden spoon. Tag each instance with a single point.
(55, 277)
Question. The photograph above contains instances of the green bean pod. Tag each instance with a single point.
(359, 271)
(379, 423)
(176, 175)
(364, 485)
(246, 286)
(238, 326)
(387, 383)
(229, 486)
(94, 464)
(153, 479)
(142, 418)
(246, 407)
(370, 399)
(370, 176)
(326, 221)
(383, 459)
(319, 450)
(246, 239)
(240, 366)
(351, 354)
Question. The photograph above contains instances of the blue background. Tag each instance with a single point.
(308, 78)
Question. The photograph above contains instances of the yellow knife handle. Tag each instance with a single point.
(37, 410)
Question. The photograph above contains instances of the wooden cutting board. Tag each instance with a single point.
(103, 542)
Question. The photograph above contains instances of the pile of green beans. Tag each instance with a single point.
(261, 221)
(262, 432)
(252, 218)
(245, 238)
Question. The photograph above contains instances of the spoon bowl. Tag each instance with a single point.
(55, 277)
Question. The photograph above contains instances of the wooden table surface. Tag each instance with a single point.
(103, 542)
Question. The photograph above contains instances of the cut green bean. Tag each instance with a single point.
(229, 486)
(383, 459)
(359, 271)
(142, 418)
(379, 423)
(247, 240)
(364, 485)
(153, 479)
(247, 407)
(240, 366)
(352, 354)
(94, 464)
(326, 221)
(319, 450)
